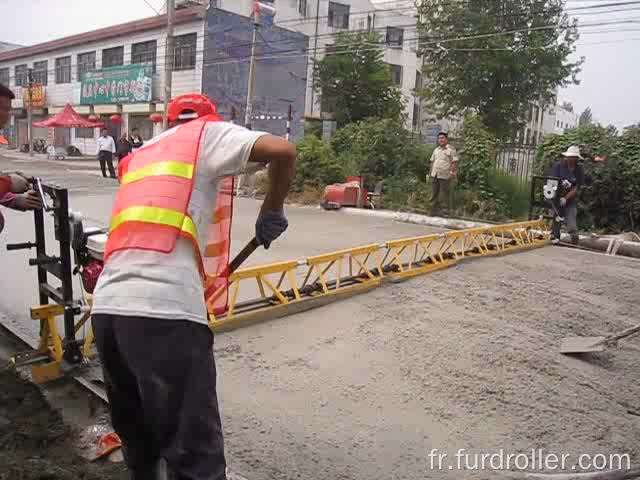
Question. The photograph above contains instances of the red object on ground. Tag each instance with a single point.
(3, 140)
(345, 195)
(201, 105)
(155, 117)
(5, 185)
(107, 444)
(68, 118)
(115, 119)
(90, 273)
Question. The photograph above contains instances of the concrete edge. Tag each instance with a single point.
(415, 218)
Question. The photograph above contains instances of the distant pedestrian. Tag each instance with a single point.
(443, 168)
(106, 149)
(571, 176)
(136, 139)
(124, 147)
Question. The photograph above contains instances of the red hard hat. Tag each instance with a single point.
(191, 105)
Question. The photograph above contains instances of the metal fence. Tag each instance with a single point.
(517, 160)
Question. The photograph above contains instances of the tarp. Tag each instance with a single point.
(68, 118)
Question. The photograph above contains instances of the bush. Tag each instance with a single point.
(316, 166)
(611, 201)
(380, 150)
(511, 195)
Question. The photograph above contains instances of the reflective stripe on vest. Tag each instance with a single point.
(162, 216)
(174, 169)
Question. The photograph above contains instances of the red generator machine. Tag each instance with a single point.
(349, 194)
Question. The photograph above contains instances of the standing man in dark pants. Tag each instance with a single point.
(106, 149)
(443, 168)
(149, 314)
(136, 139)
(571, 176)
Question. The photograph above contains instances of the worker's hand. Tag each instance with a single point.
(28, 201)
(269, 226)
(563, 202)
(19, 184)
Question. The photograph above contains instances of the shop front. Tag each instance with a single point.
(121, 96)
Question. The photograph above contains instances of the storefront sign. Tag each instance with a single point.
(124, 84)
(37, 96)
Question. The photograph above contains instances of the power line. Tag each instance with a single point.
(152, 7)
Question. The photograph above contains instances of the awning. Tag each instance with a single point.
(68, 118)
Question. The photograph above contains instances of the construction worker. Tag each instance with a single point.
(571, 176)
(15, 191)
(149, 315)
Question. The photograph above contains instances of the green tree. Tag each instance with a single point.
(568, 106)
(494, 57)
(379, 149)
(354, 80)
(586, 117)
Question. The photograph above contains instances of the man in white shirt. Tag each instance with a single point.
(150, 319)
(106, 149)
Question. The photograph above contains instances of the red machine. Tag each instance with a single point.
(348, 194)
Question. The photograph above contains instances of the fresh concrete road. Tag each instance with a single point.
(465, 358)
(312, 231)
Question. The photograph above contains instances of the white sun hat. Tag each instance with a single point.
(573, 151)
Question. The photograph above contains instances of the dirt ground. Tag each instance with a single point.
(35, 443)
(462, 358)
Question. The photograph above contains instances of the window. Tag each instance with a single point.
(21, 74)
(86, 63)
(526, 137)
(63, 70)
(112, 57)
(396, 74)
(369, 22)
(185, 52)
(416, 116)
(4, 76)
(418, 80)
(84, 132)
(40, 73)
(302, 7)
(338, 15)
(144, 52)
(395, 36)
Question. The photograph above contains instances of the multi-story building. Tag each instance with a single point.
(114, 59)
(564, 120)
(321, 20)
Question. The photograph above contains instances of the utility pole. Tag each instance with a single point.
(289, 118)
(252, 67)
(30, 110)
(168, 63)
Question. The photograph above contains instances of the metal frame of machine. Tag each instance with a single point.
(54, 349)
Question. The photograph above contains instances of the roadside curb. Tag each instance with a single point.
(13, 154)
(446, 223)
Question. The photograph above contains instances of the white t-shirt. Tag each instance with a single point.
(145, 283)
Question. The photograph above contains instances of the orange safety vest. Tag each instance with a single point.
(151, 207)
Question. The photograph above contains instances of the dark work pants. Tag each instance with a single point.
(439, 192)
(106, 158)
(160, 378)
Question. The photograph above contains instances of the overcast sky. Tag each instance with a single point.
(609, 80)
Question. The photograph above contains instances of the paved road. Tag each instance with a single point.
(312, 231)
(461, 359)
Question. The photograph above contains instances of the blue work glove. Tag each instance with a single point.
(269, 226)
